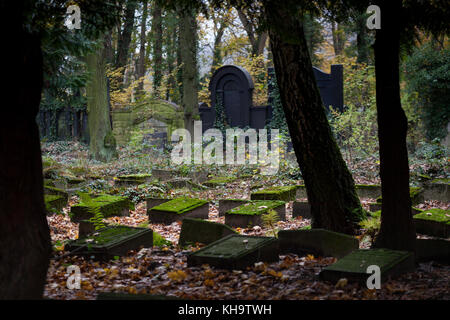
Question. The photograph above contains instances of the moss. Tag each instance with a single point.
(110, 234)
(436, 214)
(220, 180)
(256, 207)
(180, 205)
(54, 202)
(443, 181)
(232, 247)
(159, 241)
(109, 205)
(276, 190)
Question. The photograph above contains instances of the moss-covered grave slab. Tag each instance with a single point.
(353, 267)
(415, 193)
(109, 205)
(375, 206)
(433, 222)
(85, 227)
(177, 210)
(433, 250)
(219, 181)
(56, 191)
(368, 190)
(132, 179)
(319, 242)
(438, 189)
(301, 209)
(163, 174)
(202, 231)
(54, 203)
(283, 193)
(228, 204)
(180, 183)
(301, 192)
(106, 243)
(236, 252)
(153, 202)
(249, 214)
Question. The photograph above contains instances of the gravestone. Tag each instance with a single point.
(109, 242)
(177, 210)
(353, 267)
(433, 222)
(109, 205)
(202, 231)
(132, 179)
(433, 250)
(438, 189)
(219, 181)
(368, 190)
(54, 203)
(250, 214)
(235, 252)
(301, 209)
(317, 241)
(233, 87)
(284, 193)
(228, 204)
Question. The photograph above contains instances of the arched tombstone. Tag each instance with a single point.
(233, 86)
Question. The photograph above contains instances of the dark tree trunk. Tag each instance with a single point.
(338, 38)
(257, 39)
(141, 62)
(157, 47)
(362, 44)
(329, 184)
(24, 233)
(125, 36)
(397, 228)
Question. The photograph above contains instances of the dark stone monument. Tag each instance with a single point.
(233, 87)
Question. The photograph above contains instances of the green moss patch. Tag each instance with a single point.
(285, 193)
(219, 181)
(133, 178)
(109, 206)
(54, 203)
(433, 222)
(108, 235)
(354, 266)
(436, 214)
(180, 205)
(159, 240)
(256, 207)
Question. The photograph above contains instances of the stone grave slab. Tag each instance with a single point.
(202, 231)
(178, 209)
(283, 193)
(353, 267)
(110, 206)
(301, 192)
(111, 241)
(132, 179)
(164, 175)
(438, 189)
(56, 191)
(415, 193)
(433, 250)
(180, 183)
(153, 202)
(219, 181)
(433, 222)
(54, 203)
(228, 204)
(236, 252)
(249, 214)
(301, 209)
(85, 227)
(199, 176)
(368, 190)
(319, 242)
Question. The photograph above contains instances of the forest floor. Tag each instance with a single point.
(163, 270)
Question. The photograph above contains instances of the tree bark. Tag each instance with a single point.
(24, 234)
(102, 145)
(157, 47)
(257, 40)
(141, 62)
(188, 43)
(338, 38)
(397, 228)
(329, 184)
(125, 35)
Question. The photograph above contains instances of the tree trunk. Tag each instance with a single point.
(397, 228)
(24, 234)
(188, 43)
(102, 144)
(257, 40)
(141, 62)
(217, 50)
(125, 36)
(329, 184)
(338, 38)
(157, 47)
(362, 39)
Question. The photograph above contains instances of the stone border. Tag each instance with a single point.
(156, 216)
(245, 220)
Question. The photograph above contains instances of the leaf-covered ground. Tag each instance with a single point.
(163, 270)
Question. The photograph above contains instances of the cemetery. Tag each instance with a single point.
(227, 151)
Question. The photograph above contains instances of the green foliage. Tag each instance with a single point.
(270, 220)
(93, 208)
(278, 120)
(371, 227)
(220, 122)
(427, 72)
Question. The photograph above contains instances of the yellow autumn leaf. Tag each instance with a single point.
(208, 283)
(177, 275)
